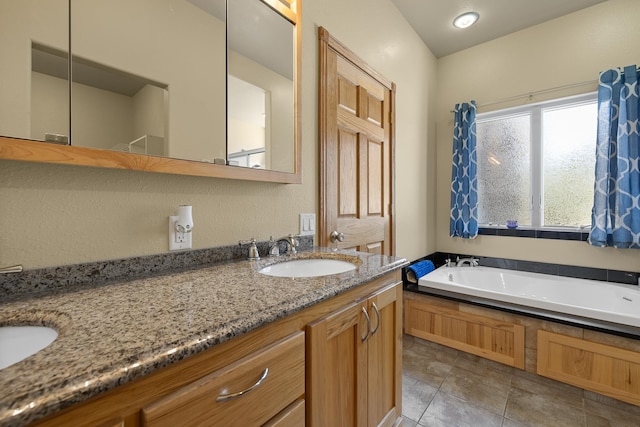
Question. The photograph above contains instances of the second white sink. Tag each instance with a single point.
(308, 267)
(20, 342)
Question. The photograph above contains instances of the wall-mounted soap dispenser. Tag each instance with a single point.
(180, 229)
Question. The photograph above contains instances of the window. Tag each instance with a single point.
(536, 163)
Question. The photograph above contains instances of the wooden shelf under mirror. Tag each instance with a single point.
(42, 152)
(67, 92)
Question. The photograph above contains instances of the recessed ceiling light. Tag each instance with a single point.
(465, 20)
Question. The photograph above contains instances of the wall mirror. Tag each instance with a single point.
(175, 86)
(260, 62)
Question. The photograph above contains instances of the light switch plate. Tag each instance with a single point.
(175, 242)
(307, 224)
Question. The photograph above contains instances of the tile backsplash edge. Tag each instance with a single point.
(95, 273)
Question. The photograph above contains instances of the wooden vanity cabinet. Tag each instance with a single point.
(186, 394)
(354, 361)
(303, 386)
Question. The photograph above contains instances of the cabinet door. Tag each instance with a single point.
(337, 369)
(384, 348)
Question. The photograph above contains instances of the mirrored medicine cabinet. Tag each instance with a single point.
(191, 87)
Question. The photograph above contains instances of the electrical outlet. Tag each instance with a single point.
(307, 224)
(177, 240)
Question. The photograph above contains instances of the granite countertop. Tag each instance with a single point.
(110, 334)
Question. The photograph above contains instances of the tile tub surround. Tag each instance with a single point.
(600, 275)
(112, 334)
(603, 275)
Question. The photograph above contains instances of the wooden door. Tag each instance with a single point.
(384, 353)
(356, 152)
(337, 369)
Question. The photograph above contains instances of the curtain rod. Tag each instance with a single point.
(538, 92)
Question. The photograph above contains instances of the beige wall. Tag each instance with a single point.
(54, 215)
(105, 119)
(48, 114)
(564, 51)
(149, 111)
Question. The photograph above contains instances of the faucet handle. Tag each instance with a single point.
(12, 269)
(253, 249)
(294, 242)
(274, 250)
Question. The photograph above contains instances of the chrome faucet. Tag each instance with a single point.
(253, 249)
(274, 250)
(462, 261)
(292, 244)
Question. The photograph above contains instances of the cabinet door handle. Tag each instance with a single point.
(225, 397)
(366, 315)
(375, 308)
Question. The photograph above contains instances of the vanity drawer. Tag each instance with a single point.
(281, 367)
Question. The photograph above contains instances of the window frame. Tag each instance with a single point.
(536, 184)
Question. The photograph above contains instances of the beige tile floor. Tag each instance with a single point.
(445, 387)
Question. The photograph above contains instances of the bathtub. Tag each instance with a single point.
(605, 305)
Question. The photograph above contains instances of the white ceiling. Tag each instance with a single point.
(432, 19)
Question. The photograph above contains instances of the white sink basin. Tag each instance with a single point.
(309, 267)
(20, 342)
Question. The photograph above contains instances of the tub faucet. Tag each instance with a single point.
(462, 261)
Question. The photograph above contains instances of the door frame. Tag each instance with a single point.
(327, 42)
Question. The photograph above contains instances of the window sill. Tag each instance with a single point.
(553, 234)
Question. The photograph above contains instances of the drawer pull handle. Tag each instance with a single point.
(224, 397)
(366, 315)
(375, 308)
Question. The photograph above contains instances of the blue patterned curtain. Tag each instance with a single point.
(464, 183)
(615, 219)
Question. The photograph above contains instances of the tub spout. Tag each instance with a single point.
(471, 261)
